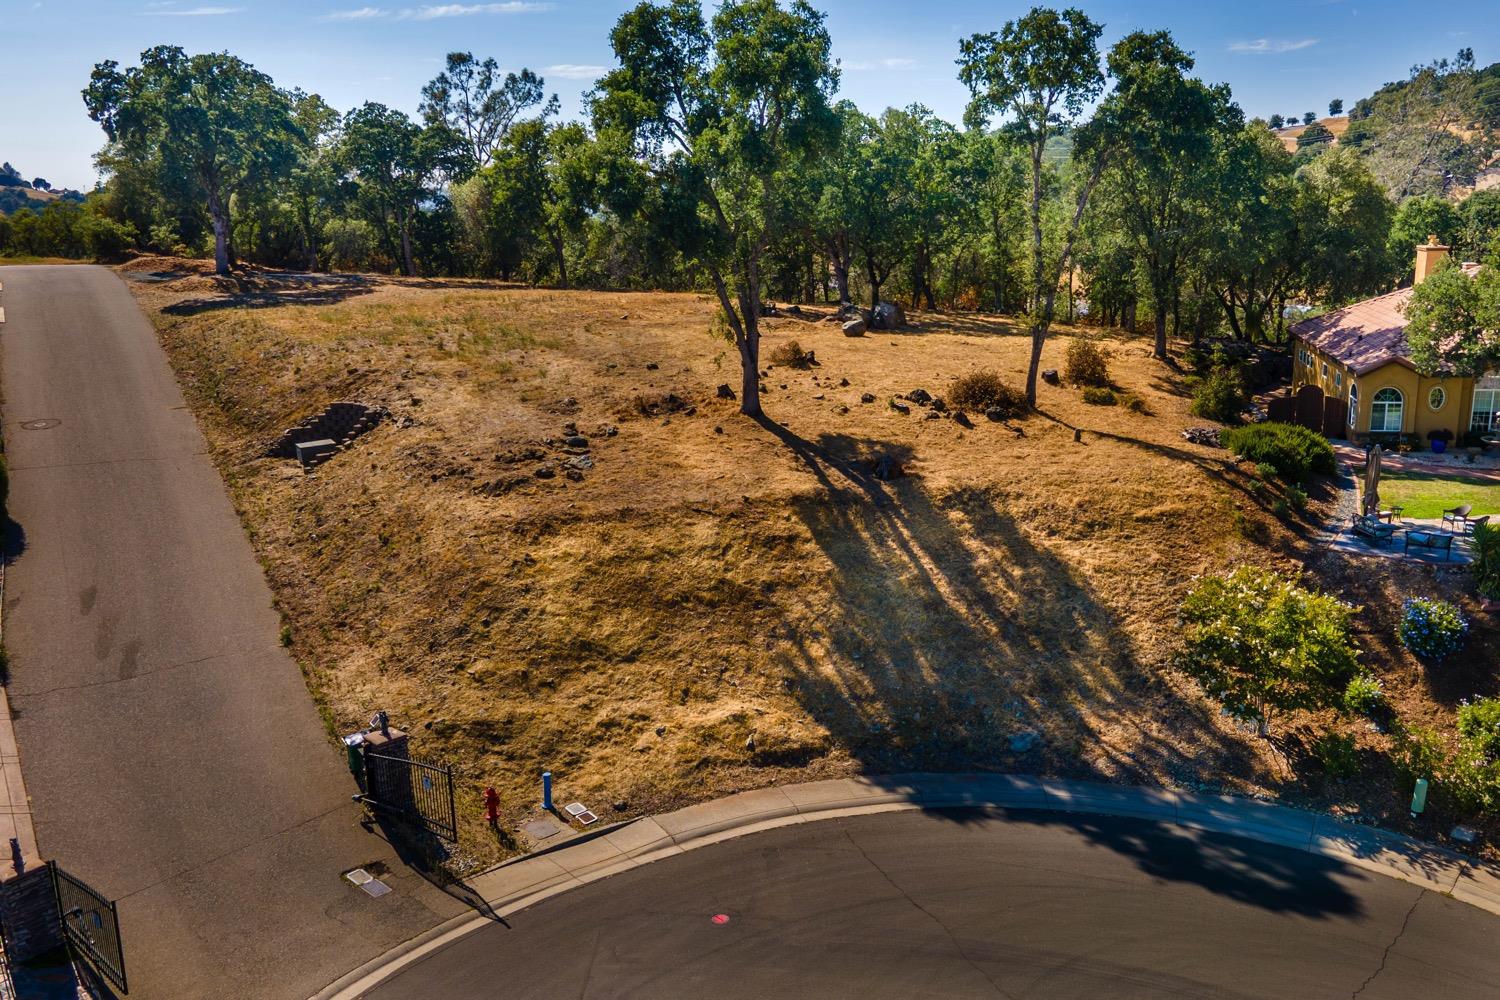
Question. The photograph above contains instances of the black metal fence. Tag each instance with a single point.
(414, 791)
(91, 926)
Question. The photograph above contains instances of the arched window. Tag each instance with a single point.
(1385, 411)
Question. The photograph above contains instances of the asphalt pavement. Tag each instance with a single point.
(175, 759)
(977, 904)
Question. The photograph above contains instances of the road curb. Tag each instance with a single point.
(526, 881)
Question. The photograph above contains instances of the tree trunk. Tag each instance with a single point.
(562, 259)
(1159, 351)
(223, 252)
(409, 268)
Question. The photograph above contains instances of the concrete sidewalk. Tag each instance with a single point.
(526, 881)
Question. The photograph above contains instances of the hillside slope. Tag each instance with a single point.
(709, 603)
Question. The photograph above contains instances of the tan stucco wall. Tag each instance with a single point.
(1417, 417)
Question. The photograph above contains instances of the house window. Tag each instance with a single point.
(1436, 398)
(1338, 380)
(1486, 405)
(1353, 403)
(1385, 411)
(1325, 370)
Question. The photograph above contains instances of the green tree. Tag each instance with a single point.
(1343, 221)
(1308, 117)
(1262, 645)
(721, 111)
(211, 119)
(1041, 70)
(476, 102)
(1479, 225)
(1415, 220)
(1335, 107)
(395, 165)
(1451, 319)
(1173, 130)
(1255, 254)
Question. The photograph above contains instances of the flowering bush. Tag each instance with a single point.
(1430, 628)
(1260, 644)
(1363, 695)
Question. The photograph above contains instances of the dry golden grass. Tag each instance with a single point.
(719, 603)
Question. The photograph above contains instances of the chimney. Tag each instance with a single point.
(1429, 256)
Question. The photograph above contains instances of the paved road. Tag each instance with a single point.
(959, 905)
(174, 757)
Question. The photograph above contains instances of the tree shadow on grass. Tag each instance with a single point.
(954, 642)
(265, 291)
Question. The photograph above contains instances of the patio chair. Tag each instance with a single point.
(1373, 528)
(1391, 516)
(1457, 518)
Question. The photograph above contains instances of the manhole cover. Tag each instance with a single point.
(40, 425)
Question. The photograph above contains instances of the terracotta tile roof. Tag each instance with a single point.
(1366, 335)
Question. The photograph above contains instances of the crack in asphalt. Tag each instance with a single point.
(1385, 955)
(927, 913)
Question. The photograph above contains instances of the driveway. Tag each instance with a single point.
(175, 759)
(977, 904)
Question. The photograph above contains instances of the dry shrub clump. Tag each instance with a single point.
(983, 390)
(1086, 363)
(791, 355)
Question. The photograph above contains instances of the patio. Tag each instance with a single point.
(1462, 551)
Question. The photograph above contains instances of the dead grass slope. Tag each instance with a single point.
(717, 603)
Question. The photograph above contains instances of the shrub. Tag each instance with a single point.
(349, 244)
(1086, 363)
(1281, 508)
(1100, 397)
(1266, 470)
(1431, 628)
(1220, 395)
(1295, 451)
(1297, 498)
(791, 355)
(105, 239)
(1468, 777)
(1479, 726)
(1260, 644)
(980, 390)
(1133, 403)
(1487, 560)
(1363, 694)
(1337, 754)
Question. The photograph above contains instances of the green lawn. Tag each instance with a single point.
(1426, 494)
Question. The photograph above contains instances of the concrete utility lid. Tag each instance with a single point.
(541, 829)
(581, 813)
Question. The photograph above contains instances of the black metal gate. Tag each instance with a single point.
(414, 791)
(91, 926)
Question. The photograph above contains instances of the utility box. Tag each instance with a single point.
(310, 453)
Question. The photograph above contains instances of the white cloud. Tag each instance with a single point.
(361, 14)
(575, 71)
(432, 12)
(1272, 46)
(195, 12)
(865, 66)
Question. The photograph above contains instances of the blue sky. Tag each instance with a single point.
(1278, 55)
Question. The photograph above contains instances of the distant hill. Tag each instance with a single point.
(16, 192)
(1335, 126)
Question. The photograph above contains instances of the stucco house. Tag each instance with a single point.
(1359, 354)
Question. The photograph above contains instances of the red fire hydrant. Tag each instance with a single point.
(492, 806)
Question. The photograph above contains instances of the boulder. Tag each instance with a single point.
(919, 396)
(1050, 377)
(899, 406)
(995, 413)
(962, 419)
(867, 397)
(888, 316)
(855, 328)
